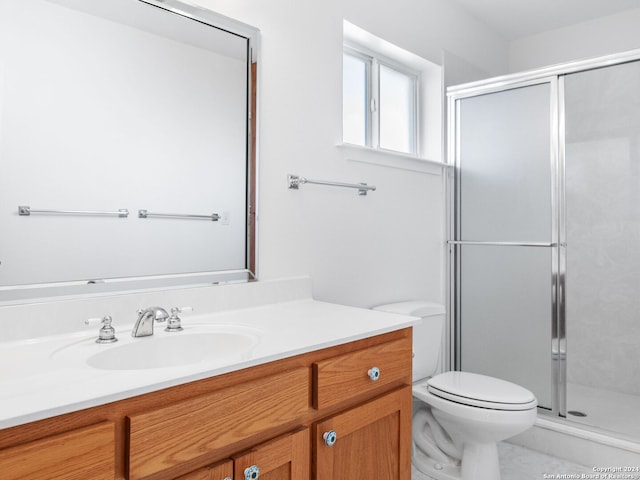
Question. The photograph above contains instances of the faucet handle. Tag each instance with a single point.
(175, 323)
(106, 334)
(176, 310)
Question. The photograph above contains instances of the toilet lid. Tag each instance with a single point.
(481, 391)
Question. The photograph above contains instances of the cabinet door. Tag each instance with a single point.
(369, 441)
(285, 458)
(86, 453)
(222, 471)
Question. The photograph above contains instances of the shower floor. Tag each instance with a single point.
(604, 409)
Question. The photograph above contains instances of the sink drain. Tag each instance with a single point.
(576, 413)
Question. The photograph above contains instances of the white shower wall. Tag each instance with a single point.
(603, 272)
(603, 228)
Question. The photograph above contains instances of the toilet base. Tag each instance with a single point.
(479, 462)
(433, 469)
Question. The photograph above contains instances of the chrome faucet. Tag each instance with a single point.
(146, 318)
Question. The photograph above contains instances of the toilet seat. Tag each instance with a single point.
(481, 391)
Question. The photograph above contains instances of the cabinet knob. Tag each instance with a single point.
(374, 374)
(252, 473)
(330, 437)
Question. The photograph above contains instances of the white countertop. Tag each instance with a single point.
(37, 383)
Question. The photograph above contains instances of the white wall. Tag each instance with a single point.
(360, 251)
(603, 36)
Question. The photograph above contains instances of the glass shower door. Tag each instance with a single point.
(602, 198)
(504, 236)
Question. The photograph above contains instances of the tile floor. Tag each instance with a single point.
(518, 463)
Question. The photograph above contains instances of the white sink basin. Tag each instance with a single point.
(204, 343)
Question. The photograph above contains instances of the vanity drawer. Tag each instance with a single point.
(86, 453)
(342, 377)
(186, 430)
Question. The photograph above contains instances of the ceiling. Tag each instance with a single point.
(514, 19)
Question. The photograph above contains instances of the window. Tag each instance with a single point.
(380, 102)
(392, 103)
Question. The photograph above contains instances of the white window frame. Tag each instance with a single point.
(373, 61)
(429, 156)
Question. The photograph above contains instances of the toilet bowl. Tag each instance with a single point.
(459, 417)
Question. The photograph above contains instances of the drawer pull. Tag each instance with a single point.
(374, 374)
(330, 437)
(252, 473)
(227, 478)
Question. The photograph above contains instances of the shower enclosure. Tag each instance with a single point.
(545, 237)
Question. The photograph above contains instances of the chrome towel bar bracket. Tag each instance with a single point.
(295, 181)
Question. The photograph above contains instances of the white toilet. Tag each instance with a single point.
(458, 416)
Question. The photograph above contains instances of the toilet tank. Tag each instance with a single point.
(427, 336)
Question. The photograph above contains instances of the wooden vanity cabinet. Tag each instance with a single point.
(369, 441)
(272, 415)
(373, 439)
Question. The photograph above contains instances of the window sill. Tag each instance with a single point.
(387, 158)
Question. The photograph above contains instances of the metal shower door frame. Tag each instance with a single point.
(558, 373)
(555, 76)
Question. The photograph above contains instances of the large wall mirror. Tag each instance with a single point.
(127, 147)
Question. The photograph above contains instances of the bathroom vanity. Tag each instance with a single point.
(323, 393)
